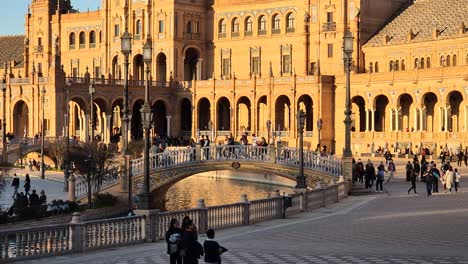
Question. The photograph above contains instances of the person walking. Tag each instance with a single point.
(380, 177)
(212, 248)
(15, 184)
(173, 238)
(369, 174)
(192, 249)
(409, 170)
(413, 177)
(27, 185)
(436, 176)
(449, 179)
(457, 180)
(429, 178)
(392, 170)
(417, 168)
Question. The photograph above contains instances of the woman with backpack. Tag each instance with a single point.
(173, 238)
(380, 177)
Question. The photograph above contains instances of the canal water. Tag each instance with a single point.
(224, 187)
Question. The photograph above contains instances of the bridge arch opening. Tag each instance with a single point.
(283, 113)
(186, 116)
(244, 114)
(224, 114)
(159, 118)
(20, 119)
(358, 116)
(204, 113)
(305, 104)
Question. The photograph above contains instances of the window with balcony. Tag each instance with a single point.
(421, 63)
(454, 60)
(371, 67)
(255, 65)
(397, 65)
(138, 27)
(286, 65)
(222, 28)
(161, 26)
(262, 25)
(71, 41)
(92, 39)
(428, 62)
(290, 23)
(416, 63)
(447, 61)
(226, 67)
(391, 66)
(330, 25)
(196, 27)
(403, 65)
(82, 40)
(235, 27)
(248, 26)
(275, 26)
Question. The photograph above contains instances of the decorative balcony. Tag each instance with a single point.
(248, 33)
(262, 32)
(235, 34)
(222, 35)
(276, 31)
(329, 26)
(38, 49)
(192, 36)
(290, 30)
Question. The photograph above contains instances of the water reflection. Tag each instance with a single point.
(217, 190)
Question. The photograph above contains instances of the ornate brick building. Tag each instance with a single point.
(229, 66)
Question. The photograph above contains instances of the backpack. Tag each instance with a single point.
(174, 243)
(436, 175)
(380, 175)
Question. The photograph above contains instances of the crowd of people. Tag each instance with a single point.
(416, 170)
(22, 200)
(183, 246)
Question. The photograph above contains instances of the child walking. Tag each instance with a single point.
(212, 249)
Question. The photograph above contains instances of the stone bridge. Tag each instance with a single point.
(172, 166)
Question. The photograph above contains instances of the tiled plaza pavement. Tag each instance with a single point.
(390, 227)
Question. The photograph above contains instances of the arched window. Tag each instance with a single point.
(397, 65)
(275, 26)
(422, 63)
(428, 62)
(454, 60)
(290, 22)
(391, 66)
(447, 61)
(72, 40)
(376, 67)
(403, 65)
(235, 25)
(138, 28)
(188, 27)
(442, 61)
(248, 24)
(222, 28)
(262, 25)
(371, 67)
(416, 63)
(82, 40)
(92, 39)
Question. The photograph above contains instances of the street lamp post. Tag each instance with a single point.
(319, 129)
(300, 179)
(268, 125)
(146, 197)
(4, 142)
(126, 48)
(92, 90)
(67, 138)
(348, 40)
(43, 91)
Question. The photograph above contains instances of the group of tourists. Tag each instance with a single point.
(369, 174)
(183, 246)
(25, 199)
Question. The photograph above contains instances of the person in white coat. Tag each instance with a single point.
(449, 179)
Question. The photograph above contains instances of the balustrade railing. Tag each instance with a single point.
(235, 152)
(312, 160)
(77, 236)
(97, 183)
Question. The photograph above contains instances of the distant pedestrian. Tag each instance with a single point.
(449, 179)
(380, 177)
(391, 170)
(212, 248)
(409, 170)
(413, 177)
(15, 184)
(173, 239)
(43, 198)
(27, 184)
(436, 177)
(457, 180)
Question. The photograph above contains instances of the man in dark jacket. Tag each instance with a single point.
(409, 169)
(192, 249)
(212, 249)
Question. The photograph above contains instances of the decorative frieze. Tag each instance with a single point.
(282, 10)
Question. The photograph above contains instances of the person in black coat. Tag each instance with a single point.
(212, 248)
(192, 250)
(173, 239)
(15, 184)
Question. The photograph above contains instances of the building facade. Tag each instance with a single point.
(228, 67)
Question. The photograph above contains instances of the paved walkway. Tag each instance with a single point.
(389, 227)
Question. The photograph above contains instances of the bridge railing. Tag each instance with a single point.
(109, 179)
(312, 160)
(77, 236)
(166, 159)
(234, 152)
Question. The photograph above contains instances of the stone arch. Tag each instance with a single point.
(306, 104)
(276, 21)
(20, 119)
(282, 113)
(262, 113)
(116, 73)
(248, 24)
(82, 40)
(244, 114)
(358, 115)
(380, 116)
(404, 106)
(136, 124)
(235, 25)
(138, 68)
(101, 109)
(454, 100)
(262, 23)
(204, 113)
(161, 64)
(116, 116)
(185, 115)
(192, 64)
(223, 112)
(429, 100)
(290, 21)
(159, 117)
(78, 110)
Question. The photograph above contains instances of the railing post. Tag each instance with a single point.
(198, 150)
(245, 210)
(151, 223)
(76, 233)
(271, 153)
(71, 188)
(203, 225)
(123, 175)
